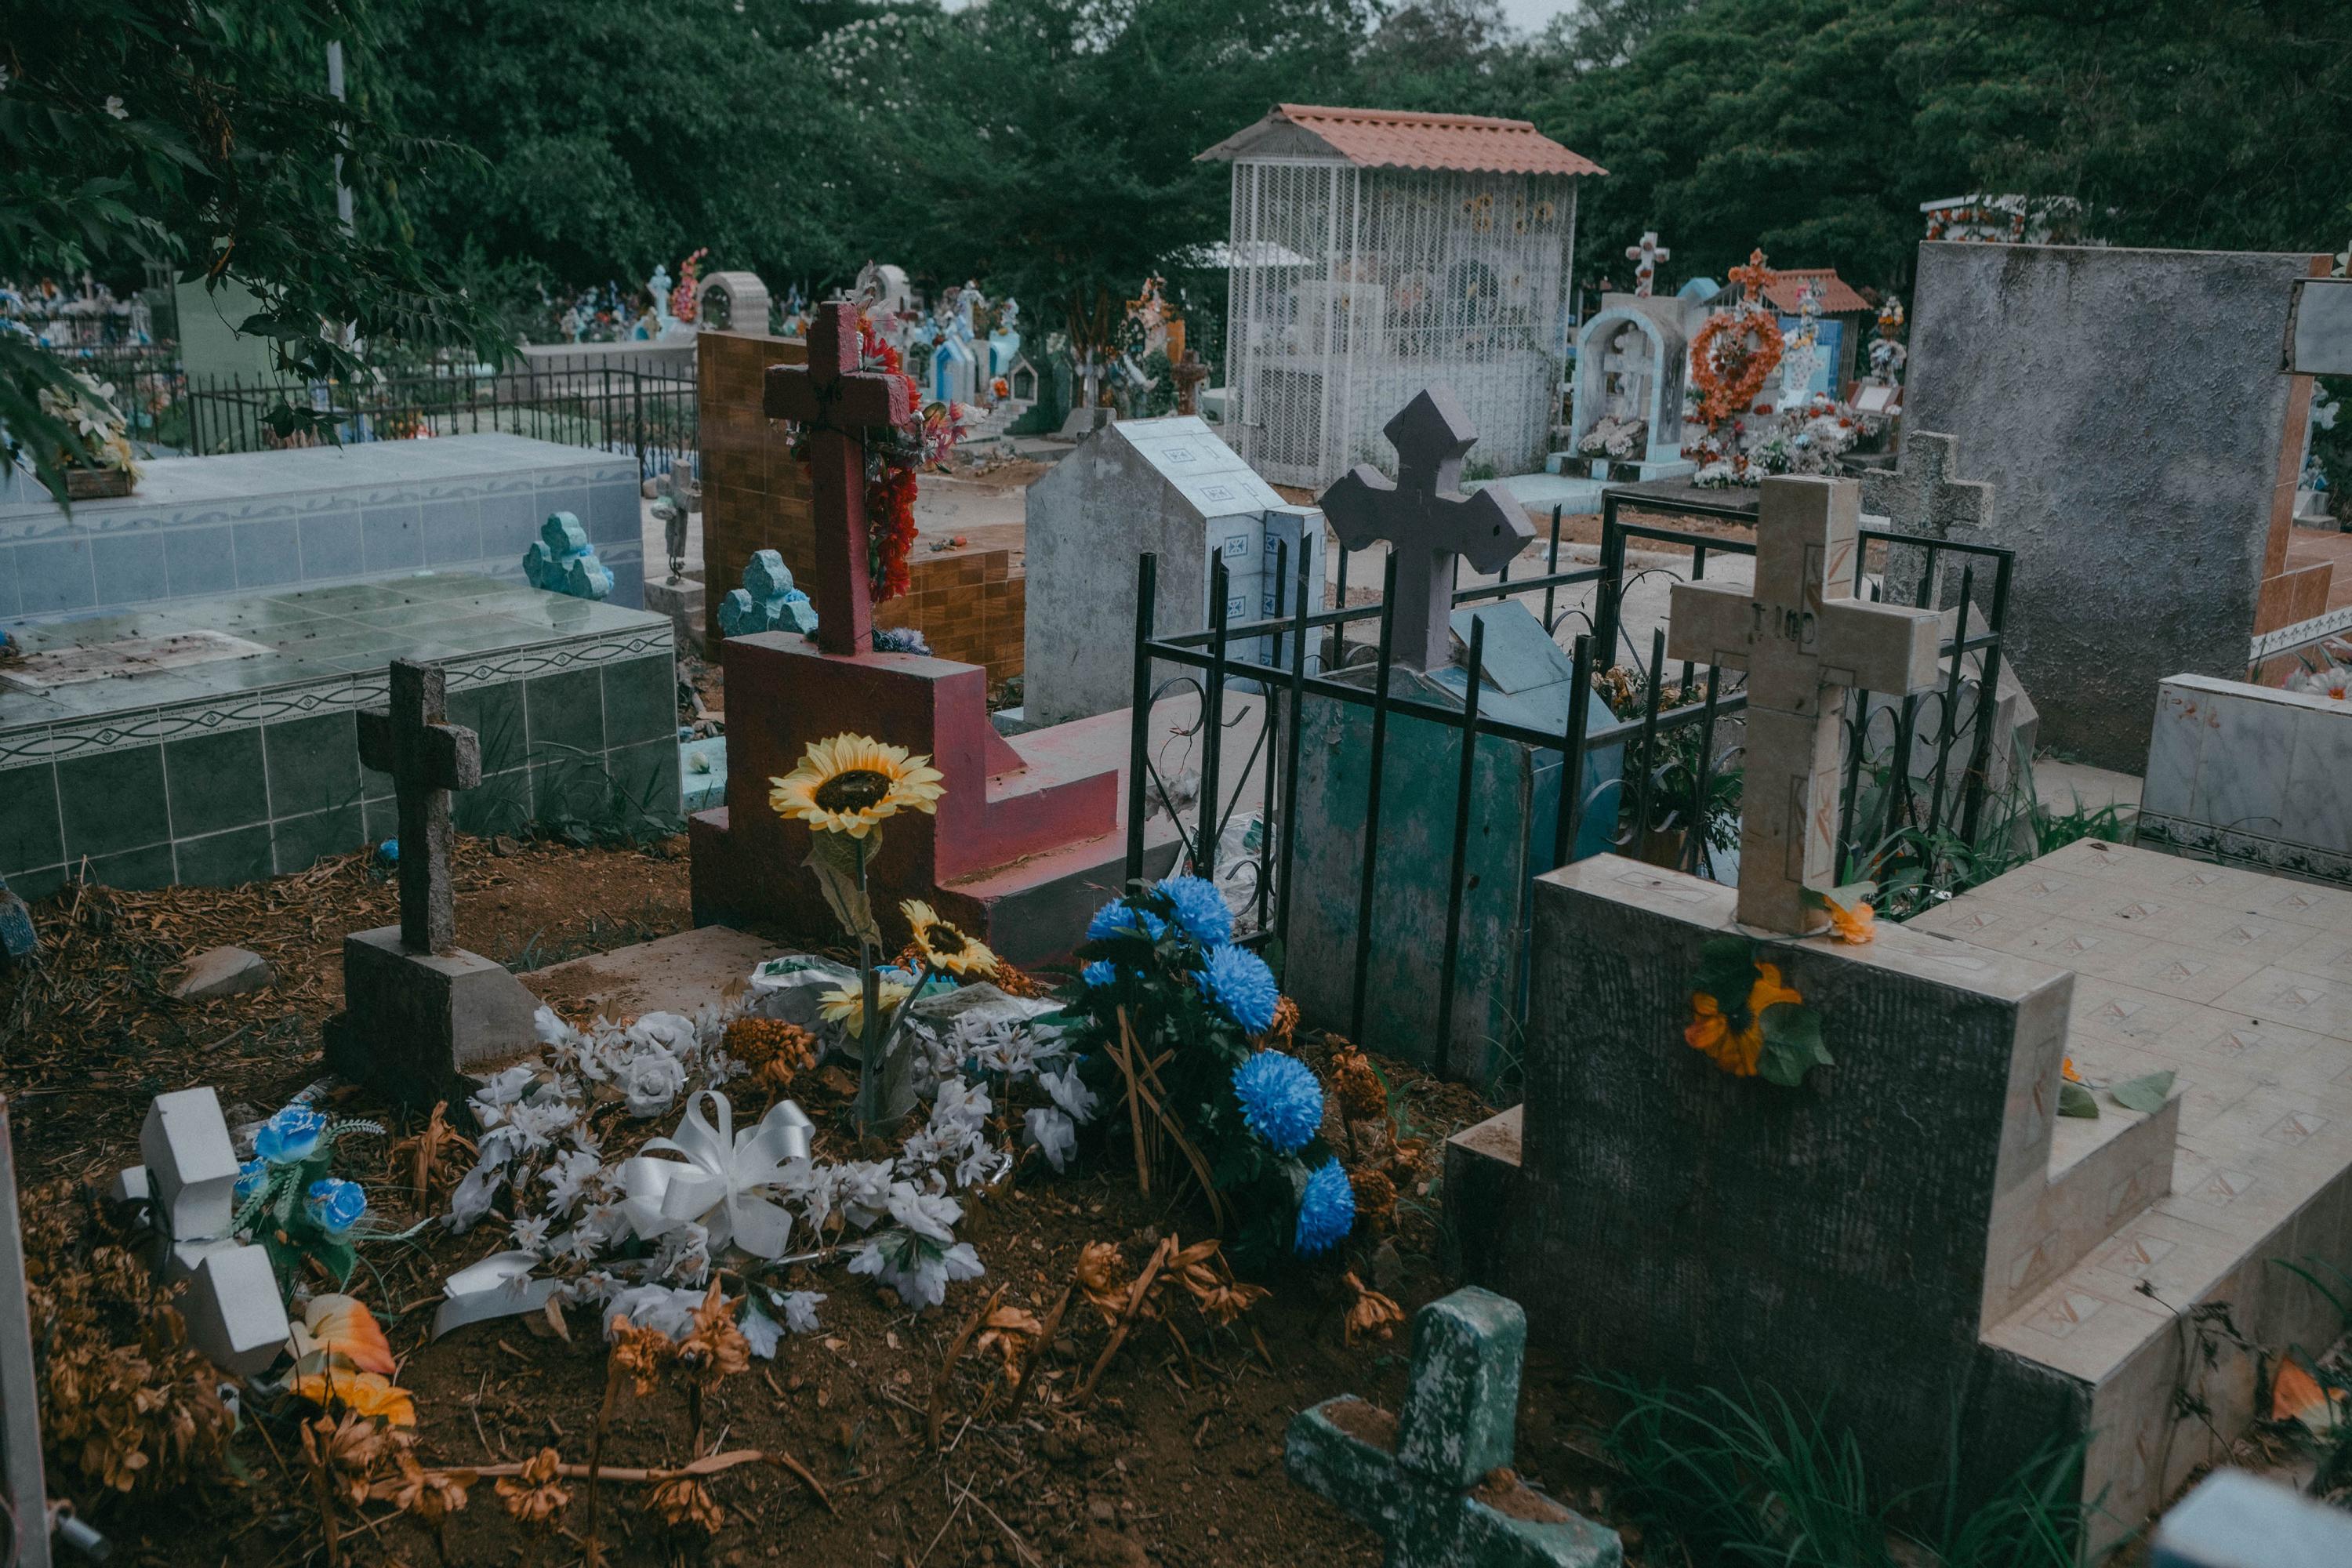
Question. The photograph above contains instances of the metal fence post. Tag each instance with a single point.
(1139, 761)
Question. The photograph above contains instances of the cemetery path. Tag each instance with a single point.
(1177, 1458)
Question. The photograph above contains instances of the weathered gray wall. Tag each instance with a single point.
(2127, 406)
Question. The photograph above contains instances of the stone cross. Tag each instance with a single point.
(839, 403)
(427, 757)
(1925, 497)
(1427, 521)
(1646, 257)
(1803, 638)
(1435, 1479)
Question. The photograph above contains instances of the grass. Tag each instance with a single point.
(1918, 867)
(1734, 1480)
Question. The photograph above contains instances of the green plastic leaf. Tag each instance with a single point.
(1793, 1044)
(2146, 1094)
(833, 856)
(2074, 1099)
(1726, 972)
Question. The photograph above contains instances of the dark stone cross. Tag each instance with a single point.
(839, 403)
(427, 757)
(1427, 521)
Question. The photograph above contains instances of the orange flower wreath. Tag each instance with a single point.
(1736, 351)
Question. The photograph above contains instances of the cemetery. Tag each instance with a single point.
(1217, 830)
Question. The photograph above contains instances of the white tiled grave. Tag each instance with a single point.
(2240, 984)
(2250, 775)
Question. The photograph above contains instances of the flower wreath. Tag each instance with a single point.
(1731, 357)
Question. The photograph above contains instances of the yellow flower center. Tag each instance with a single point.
(855, 790)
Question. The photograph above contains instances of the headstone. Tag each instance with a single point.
(1167, 486)
(1434, 1480)
(1804, 640)
(221, 972)
(561, 560)
(418, 1009)
(2319, 328)
(2234, 1519)
(1925, 497)
(2251, 776)
(1632, 357)
(1425, 519)
(21, 1474)
(837, 403)
(733, 302)
(767, 602)
(2150, 452)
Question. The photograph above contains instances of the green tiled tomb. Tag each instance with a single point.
(216, 740)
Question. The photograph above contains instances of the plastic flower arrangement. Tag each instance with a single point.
(1163, 978)
(1746, 1021)
(290, 1201)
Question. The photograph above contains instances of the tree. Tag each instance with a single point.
(202, 135)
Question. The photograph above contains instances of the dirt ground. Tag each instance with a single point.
(1177, 1458)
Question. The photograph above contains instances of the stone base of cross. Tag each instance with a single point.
(1804, 640)
(1434, 1480)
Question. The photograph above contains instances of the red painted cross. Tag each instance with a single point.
(839, 403)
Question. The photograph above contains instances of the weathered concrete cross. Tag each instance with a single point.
(1646, 257)
(839, 403)
(1925, 497)
(1435, 1479)
(1427, 521)
(427, 757)
(1803, 638)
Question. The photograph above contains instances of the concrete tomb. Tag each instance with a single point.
(418, 1009)
(2250, 775)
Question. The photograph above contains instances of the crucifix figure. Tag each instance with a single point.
(1645, 257)
(1804, 639)
(1427, 521)
(839, 403)
(412, 740)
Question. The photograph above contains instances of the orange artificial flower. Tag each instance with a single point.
(369, 1393)
(2066, 1070)
(1856, 925)
(1709, 1031)
(340, 1326)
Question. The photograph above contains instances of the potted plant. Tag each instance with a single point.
(97, 458)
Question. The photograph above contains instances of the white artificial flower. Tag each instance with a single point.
(530, 1232)
(568, 1180)
(669, 1309)
(863, 1194)
(651, 1080)
(918, 1269)
(760, 1332)
(800, 1310)
(1076, 1101)
(924, 1214)
(1052, 1132)
(114, 107)
(509, 1086)
(684, 1254)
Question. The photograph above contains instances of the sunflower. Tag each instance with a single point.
(942, 944)
(846, 1005)
(850, 783)
(1710, 1032)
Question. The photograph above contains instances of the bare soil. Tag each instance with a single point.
(1177, 1459)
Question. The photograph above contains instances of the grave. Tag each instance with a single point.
(2253, 777)
(1514, 783)
(1434, 1480)
(1022, 821)
(1172, 488)
(732, 301)
(247, 765)
(418, 1010)
(1911, 1237)
(561, 560)
(2160, 462)
(1631, 358)
(199, 528)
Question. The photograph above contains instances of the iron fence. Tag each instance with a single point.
(650, 414)
(1921, 767)
(149, 388)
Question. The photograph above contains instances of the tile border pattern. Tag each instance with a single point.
(2234, 847)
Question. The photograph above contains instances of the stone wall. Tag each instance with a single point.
(755, 496)
(2127, 406)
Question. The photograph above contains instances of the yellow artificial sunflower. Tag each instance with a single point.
(846, 1006)
(945, 945)
(850, 783)
(1710, 1032)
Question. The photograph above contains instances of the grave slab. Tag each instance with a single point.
(680, 974)
(2250, 775)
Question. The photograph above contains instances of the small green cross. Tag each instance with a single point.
(1419, 1480)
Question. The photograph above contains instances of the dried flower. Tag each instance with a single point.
(1356, 1084)
(684, 1500)
(1201, 1269)
(775, 1051)
(539, 1494)
(1099, 1276)
(431, 1495)
(1010, 1331)
(714, 1346)
(340, 1453)
(1371, 1315)
(1376, 1195)
(642, 1353)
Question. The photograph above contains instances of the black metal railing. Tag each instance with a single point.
(150, 389)
(649, 413)
(1675, 733)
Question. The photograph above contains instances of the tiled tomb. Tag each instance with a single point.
(221, 745)
(2250, 775)
(200, 527)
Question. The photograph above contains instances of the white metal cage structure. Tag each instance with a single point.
(1374, 254)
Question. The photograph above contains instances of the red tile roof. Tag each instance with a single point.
(1395, 139)
(1837, 299)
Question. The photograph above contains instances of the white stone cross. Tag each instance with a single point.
(1427, 521)
(1803, 638)
(1645, 257)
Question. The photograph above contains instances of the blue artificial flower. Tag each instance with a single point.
(250, 1177)
(1280, 1100)
(1200, 909)
(1238, 981)
(1119, 918)
(1100, 973)
(1327, 1210)
(289, 1136)
(334, 1205)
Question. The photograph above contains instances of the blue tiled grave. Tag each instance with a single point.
(201, 527)
(230, 750)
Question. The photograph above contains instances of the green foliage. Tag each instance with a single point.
(203, 136)
(1750, 1479)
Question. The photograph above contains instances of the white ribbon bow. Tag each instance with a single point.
(712, 1182)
